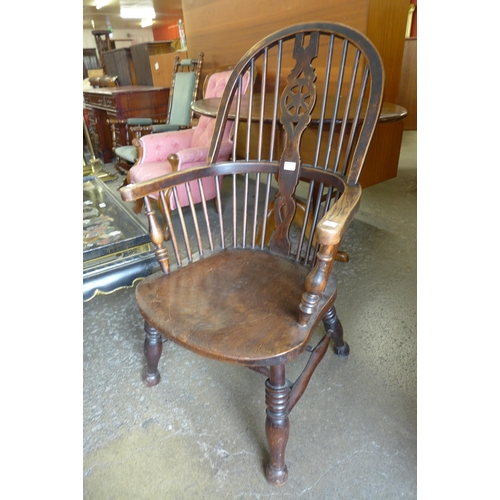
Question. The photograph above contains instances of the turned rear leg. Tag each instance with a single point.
(334, 329)
(277, 424)
(152, 350)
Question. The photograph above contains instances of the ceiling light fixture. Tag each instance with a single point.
(146, 22)
(137, 9)
(99, 4)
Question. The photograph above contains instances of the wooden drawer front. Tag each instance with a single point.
(100, 101)
(109, 103)
(97, 100)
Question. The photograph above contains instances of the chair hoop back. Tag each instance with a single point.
(314, 97)
(347, 79)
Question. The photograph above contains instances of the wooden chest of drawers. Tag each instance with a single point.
(120, 103)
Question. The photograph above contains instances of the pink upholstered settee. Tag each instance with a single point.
(189, 147)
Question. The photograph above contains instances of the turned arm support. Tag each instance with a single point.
(137, 143)
(157, 236)
(329, 233)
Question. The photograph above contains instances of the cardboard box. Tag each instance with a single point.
(95, 72)
(162, 67)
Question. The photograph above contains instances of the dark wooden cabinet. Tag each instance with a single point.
(140, 57)
(119, 63)
(90, 61)
(121, 103)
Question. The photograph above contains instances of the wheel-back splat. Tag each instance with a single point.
(297, 102)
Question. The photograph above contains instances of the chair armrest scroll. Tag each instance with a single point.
(329, 232)
(332, 226)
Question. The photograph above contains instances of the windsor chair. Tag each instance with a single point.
(223, 292)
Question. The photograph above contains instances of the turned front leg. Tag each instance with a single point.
(152, 350)
(277, 424)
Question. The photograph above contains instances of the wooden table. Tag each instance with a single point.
(209, 107)
(390, 113)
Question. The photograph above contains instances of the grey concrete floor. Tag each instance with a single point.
(200, 433)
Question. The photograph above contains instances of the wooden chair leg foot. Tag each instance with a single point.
(342, 352)
(276, 477)
(153, 347)
(334, 329)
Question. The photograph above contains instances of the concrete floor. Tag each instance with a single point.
(200, 433)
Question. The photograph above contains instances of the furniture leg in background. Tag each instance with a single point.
(94, 165)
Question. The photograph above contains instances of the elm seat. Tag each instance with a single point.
(259, 303)
(227, 294)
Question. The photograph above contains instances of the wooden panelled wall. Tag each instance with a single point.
(225, 29)
(408, 87)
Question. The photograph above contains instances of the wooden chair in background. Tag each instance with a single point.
(222, 294)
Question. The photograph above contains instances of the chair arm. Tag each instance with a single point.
(157, 147)
(329, 232)
(332, 226)
(155, 128)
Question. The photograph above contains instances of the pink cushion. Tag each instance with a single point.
(203, 132)
(146, 171)
(216, 84)
(157, 147)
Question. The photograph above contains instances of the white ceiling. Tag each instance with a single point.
(168, 12)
